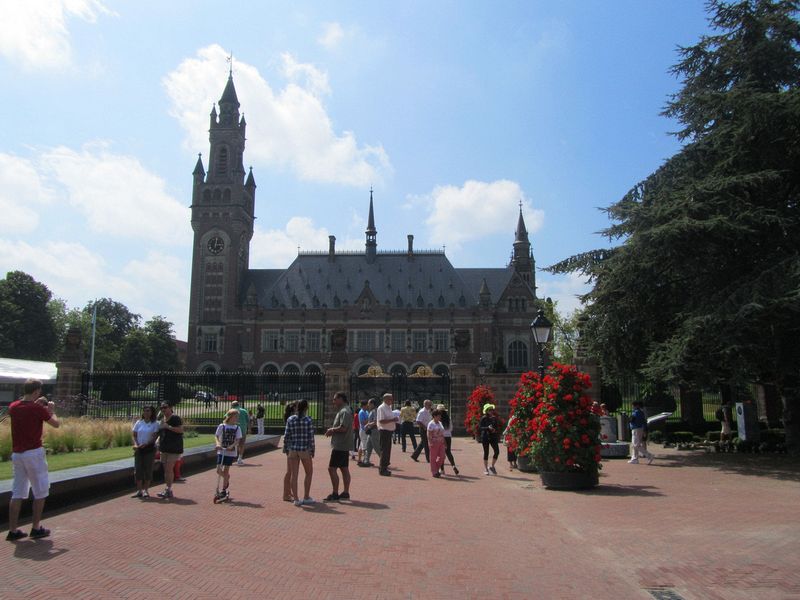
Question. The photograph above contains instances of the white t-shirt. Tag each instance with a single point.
(424, 417)
(145, 432)
(228, 435)
(385, 412)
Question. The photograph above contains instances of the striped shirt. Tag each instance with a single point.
(299, 434)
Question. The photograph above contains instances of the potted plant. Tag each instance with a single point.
(564, 432)
(481, 395)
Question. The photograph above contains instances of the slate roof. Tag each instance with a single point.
(427, 280)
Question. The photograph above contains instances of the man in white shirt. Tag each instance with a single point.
(423, 418)
(387, 423)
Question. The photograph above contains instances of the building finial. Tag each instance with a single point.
(229, 60)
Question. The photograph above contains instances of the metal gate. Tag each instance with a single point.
(200, 398)
(403, 387)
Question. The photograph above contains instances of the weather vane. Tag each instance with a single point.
(229, 60)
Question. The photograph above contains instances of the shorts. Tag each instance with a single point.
(168, 459)
(30, 471)
(225, 461)
(301, 454)
(339, 459)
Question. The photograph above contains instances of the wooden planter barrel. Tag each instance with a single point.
(569, 480)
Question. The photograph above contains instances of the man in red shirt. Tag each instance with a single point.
(28, 457)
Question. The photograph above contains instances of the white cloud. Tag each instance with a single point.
(564, 289)
(117, 194)
(277, 248)
(288, 128)
(22, 191)
(332, 35)
(475, 210)
(35, 34)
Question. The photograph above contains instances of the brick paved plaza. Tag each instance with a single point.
(700, 526)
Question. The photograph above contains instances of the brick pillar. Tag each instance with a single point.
(70, 367)
(592, 369)
(691, 406)
(462, 382)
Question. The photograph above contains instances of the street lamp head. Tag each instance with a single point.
(481, 367)
(541, 328)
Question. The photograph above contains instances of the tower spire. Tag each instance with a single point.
(521, 234)
(372, 233)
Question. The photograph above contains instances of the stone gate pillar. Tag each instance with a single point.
(70, 365)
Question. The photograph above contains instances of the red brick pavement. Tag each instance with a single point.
(701, 526)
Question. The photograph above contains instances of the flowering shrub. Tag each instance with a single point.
(479, 396)
(553, 421)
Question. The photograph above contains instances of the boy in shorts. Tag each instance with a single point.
(341, 434)
(227, 438)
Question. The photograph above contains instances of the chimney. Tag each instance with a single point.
(410, 244)
(331, 246)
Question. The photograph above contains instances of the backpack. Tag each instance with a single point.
(720, 414)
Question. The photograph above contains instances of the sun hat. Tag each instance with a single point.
(487, 407)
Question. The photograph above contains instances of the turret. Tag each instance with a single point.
(522, 258)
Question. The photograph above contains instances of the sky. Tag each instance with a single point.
(453, 112)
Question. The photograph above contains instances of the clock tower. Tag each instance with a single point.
(223, 204)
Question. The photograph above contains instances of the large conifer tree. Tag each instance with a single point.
(705, 285)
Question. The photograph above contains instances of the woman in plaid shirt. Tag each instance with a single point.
(298, 444)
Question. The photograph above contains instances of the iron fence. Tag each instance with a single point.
(402, 387)
(201, 398)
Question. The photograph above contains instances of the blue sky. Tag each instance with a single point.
(452, 111)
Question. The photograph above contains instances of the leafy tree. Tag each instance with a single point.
(27, 329)
(705, 284)
(565, 332)
(163, 351)
(114, 322)
(136, 353)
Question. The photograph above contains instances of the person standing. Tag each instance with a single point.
(489, 428)
(287, 478)
(725, 416)
(341, 434)
(28, 459)
(369, 433)
(436, 443)
(638, 426)
(298, 445)
(387, 423)
(423, 418)
(260, 412)
(396, 432)
(144, 432)
(225, 437)
(407, 417)
(244, 425)
(448, 437)
(170, 445)
(363, 417)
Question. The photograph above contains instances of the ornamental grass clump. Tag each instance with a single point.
(553, 421)
(481, 395)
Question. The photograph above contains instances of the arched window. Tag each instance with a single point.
(312, 368)
(291, 369)
(269, 370)
(397, 370)
(517, 355)
(441, 370)
(363, 368)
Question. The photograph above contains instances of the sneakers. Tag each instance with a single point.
(344, 496)
(455, 470)
(308, 501)
(15, 535)
(493, 470)
(486, 472)
(437, 475)
(240, 462)
(385, 473)
(332, 498)
(145, 494)
(165, 494)
(364, 464)
(633, 461)
(298, 503)
(138, 494)
(414, 458)
(39, 533)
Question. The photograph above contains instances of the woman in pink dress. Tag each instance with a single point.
(436, 442)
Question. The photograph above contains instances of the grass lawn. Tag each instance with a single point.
(68, 460)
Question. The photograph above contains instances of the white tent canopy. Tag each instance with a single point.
(14, 370)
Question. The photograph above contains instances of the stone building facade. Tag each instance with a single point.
(341, 311)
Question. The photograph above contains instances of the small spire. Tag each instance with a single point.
(251, 181)
(371, 219)
(198, 168)
(229, 93)
(521, 235)
(214, 110)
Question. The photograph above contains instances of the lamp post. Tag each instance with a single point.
(481, 369)
(541, 328)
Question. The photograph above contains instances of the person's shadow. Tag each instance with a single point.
(37, 550)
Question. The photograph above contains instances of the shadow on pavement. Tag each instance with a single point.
(396, 476)
(369, 505)
(245, 504)
(622, 490)
(37, 550)
(774, 466)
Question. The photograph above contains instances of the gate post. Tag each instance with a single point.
(462, 381)
(70, 365)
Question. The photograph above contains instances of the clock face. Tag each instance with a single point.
(216, 245)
